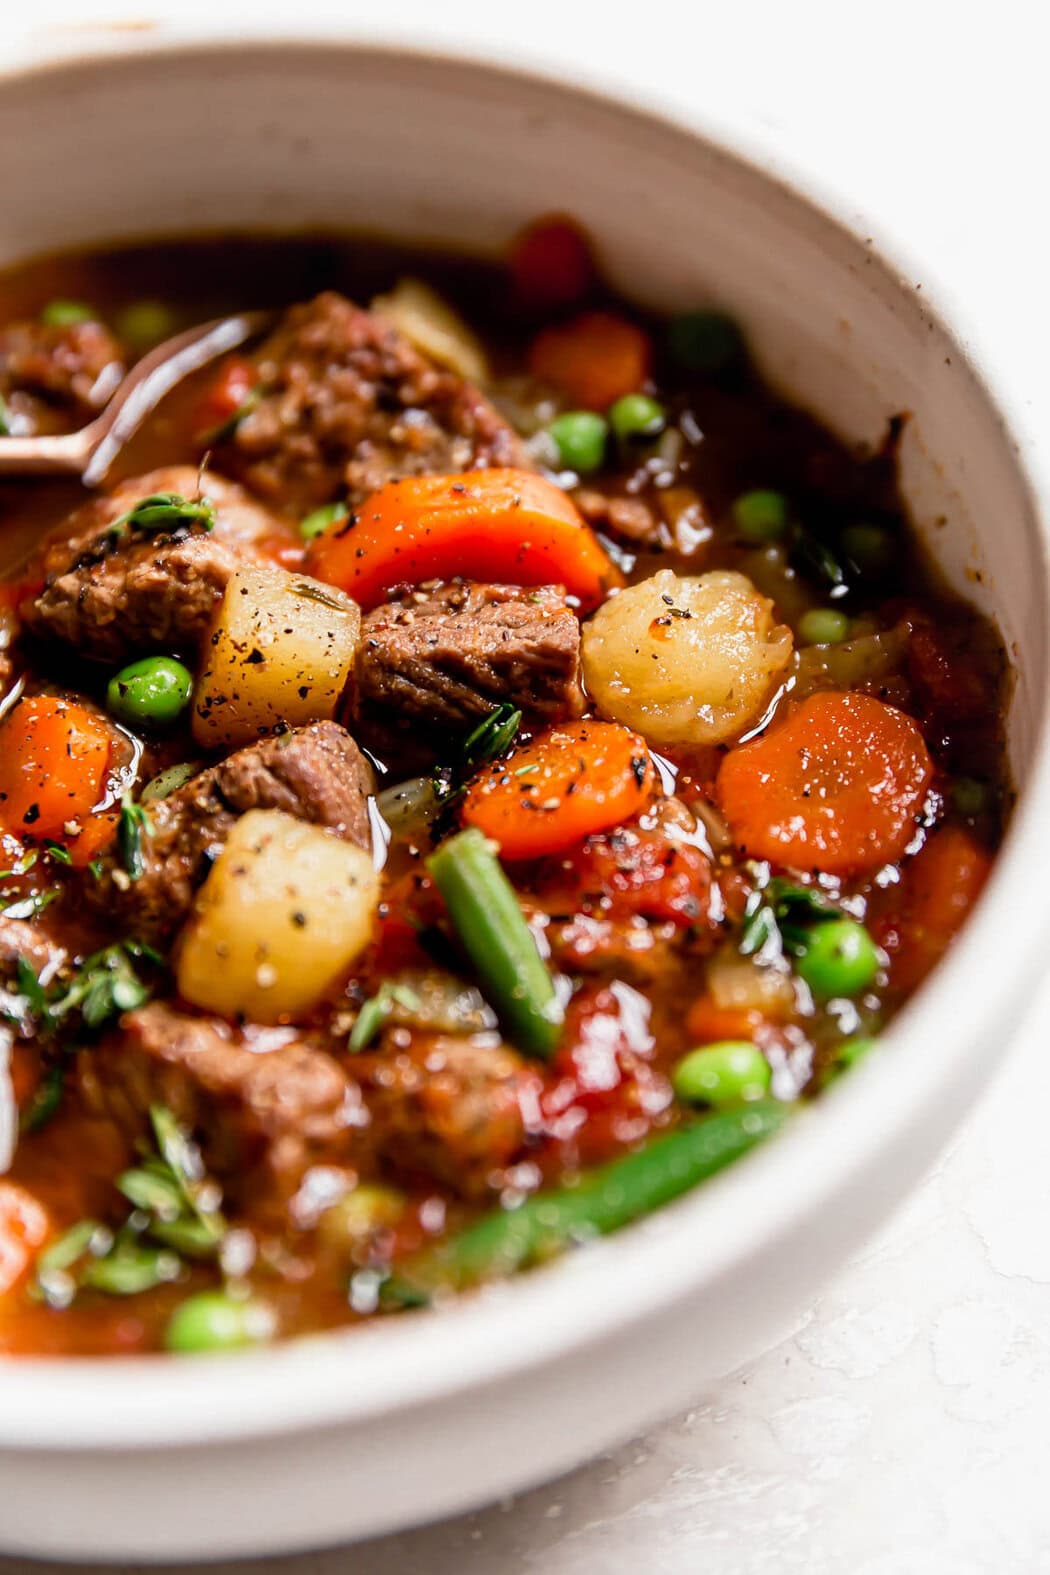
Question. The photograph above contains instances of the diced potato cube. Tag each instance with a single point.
(285, 910)
(282, 651)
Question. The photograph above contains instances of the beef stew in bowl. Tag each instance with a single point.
(484, 760)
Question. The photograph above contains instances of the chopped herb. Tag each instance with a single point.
(818, 560)
(316, 593)
(166, 781)
(133, 825)
(28, 907)
(45, 1099)
(375, 1012)
(174, 1215)
(56, 851)
(227, 428)
(492, 737)
(780, 909)
(164, 511)
(104, 985)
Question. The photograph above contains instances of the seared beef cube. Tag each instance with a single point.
(265, 1104)
(446, 656)
(114, 595)
(457, 1108)
(74, 368)
(316, 773)
(19, 939)
(348, 404)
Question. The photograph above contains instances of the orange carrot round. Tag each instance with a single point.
(836, 787)
(564, 785)
(940, 886)
(594, 359)
(23, 1229)
(54, 760)
(504, 526)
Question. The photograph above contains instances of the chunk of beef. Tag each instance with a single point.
(446, 655)
(316, 772)
(115, 595)
(54, 376)
(19, 939)
(458, 1108)
(265, 1104)
(348, 403)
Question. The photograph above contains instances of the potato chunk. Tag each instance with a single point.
(283, 913)
(282, 651)
(685, 660)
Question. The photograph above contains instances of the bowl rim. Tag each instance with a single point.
(351, 1376)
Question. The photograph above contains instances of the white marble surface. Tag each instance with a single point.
(900, 1428)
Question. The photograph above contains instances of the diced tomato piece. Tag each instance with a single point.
(224, 397)
(410, 906)
(551, 264)
(603, 1091)
(631, 872)
(23, 1230)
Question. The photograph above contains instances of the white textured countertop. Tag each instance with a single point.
(900, 1428)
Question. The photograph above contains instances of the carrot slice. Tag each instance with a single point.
(593, 360)
(940, 886)
(564, 785)
(23, 1229)
(504, 526)
(54, 760)
(836, 787)
(706, 1022)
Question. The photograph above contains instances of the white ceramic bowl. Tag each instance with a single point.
(353, 1434)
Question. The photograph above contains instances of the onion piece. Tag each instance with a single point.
(431, 324)
(408, 806)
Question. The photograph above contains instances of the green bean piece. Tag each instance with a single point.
(761, 516)
(722, 1074)
(603, 1200)
(488, 919)
(580, 437)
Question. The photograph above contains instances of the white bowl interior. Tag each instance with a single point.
(257, 137)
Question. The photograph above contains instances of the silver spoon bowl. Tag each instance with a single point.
(90, 451)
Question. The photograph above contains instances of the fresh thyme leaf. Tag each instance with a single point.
(492, 737)
(183, 1159)
(817, 559)
(131, 1268)
(104, 985)
(168, 780)
(56, 851)
(227, 428)
(784, 910)
(133, 825)
(314, 593)
(164, 511)
(45, 1099)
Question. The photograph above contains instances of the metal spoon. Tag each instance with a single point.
(89, 452)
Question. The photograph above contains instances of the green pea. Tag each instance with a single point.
(761, 515)
(144, 324)
(722, 1074)
(839, 958)
(637, 416)
(969, 796)
(870, 547)
(216, 1321)
(580, 436)
(63, 314)
(822, 626)
(706, 342)
(150, 693)
(316, 523)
